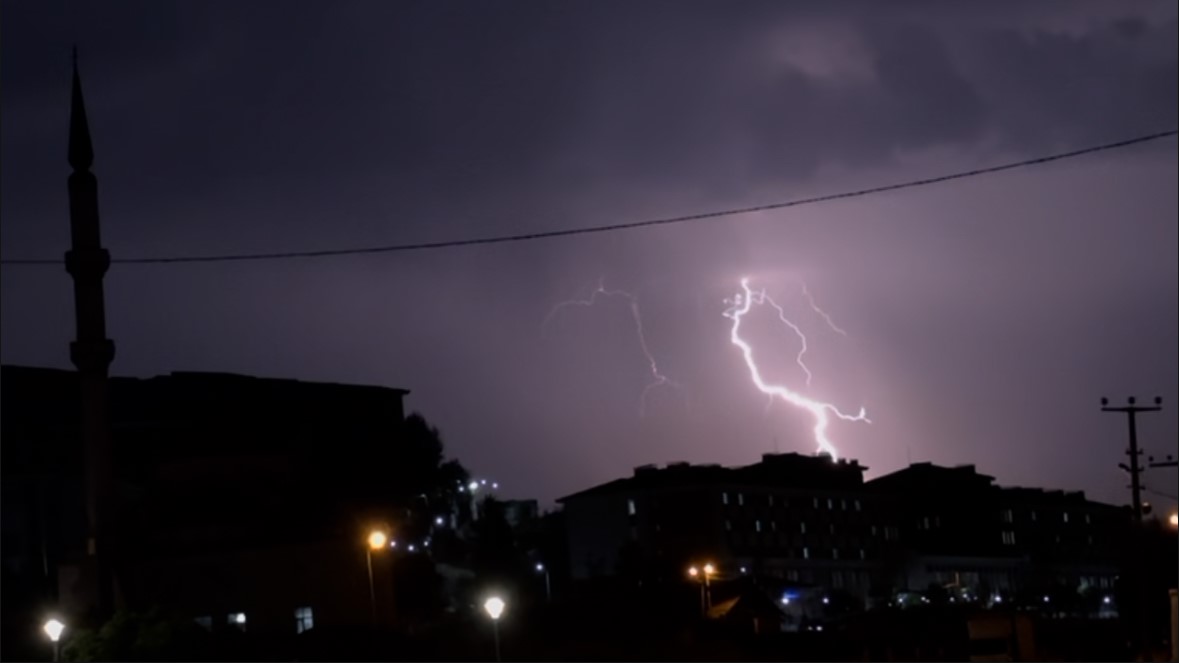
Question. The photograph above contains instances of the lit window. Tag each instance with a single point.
(1009, 538)
(843, 505)
(728, 526)
(830, 504)
(740, 499)
(816, 501)
(774, 526)
(205, 622)
(1033, 516)
(1065, 514)
(303, 619)
(857, 505)
(237, 620)
(1008, 516)
(630, 507)
(771, 500)
(757, 525)
(1088, 520)
(863, 554)
(806, 552)
(802, 527)
(835, 553)
(873, 530)
(725, 499)
(925, 522)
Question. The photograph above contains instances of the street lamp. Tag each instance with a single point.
(377, 540)
(495, 607)
(1174, 519)
(548, 589)
(705, 576)
(53, 628)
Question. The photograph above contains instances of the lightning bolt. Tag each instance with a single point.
(658, 379)
(815, 307)
(766, 299)
(820, 411)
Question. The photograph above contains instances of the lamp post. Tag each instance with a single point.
(377, 540)
(703, 576)
(53, 628)
(495, 607)
(548, 589)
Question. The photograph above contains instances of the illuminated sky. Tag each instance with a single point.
(985, 318)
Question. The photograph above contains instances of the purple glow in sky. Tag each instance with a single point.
(985, 317)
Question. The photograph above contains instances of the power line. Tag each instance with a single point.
(588, 230)
(1161, 493)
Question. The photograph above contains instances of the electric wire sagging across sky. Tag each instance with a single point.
(739, 307)
(658, 379)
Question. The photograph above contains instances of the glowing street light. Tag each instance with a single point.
(377, 540)
(548, 589)
(495, 608)
(1174, 519)
(704, 574)
(53, 628)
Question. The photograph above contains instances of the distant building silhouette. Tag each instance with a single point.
(812, 523)
(803, 519)
(961, 531)
(241, 494)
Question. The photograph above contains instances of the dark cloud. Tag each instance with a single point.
(986, 317)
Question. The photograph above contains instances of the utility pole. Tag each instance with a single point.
(1132, 410)
(1135, 469)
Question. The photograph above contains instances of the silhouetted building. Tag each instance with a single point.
(962, 532)
(813, 524)
(238, 494)
(801, 519)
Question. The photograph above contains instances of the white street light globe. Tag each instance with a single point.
(494, 607)
(53, 629)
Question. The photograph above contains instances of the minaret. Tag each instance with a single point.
(92, 352)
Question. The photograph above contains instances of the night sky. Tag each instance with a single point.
(985, 317)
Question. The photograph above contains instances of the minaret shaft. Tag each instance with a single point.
(92, 352)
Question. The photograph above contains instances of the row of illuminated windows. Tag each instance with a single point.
(304, 620)
(806, 552)
(1009, 538)
(831, 503)
(889, 532)
(1008, 516)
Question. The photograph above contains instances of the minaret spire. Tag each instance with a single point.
(81, 154)
(87, 262)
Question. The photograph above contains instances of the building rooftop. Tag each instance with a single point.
(791, 470)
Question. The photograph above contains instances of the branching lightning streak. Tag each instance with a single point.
(658, 378)
(815, 307)
(821, 411)
(762, 297)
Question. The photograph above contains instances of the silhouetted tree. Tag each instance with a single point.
(152, 635)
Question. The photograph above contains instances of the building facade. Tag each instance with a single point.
(811, 522)
(239, 498)
(800, 519)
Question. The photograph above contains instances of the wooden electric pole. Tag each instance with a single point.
(1132, 410)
